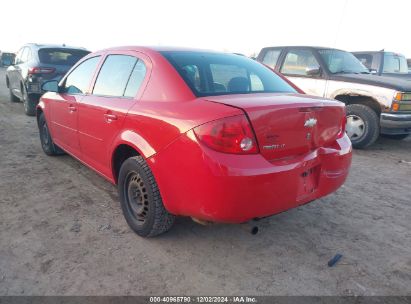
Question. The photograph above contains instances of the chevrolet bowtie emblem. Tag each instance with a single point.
(309, 123)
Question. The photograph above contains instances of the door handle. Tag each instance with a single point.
(110, 117)
(72, 108)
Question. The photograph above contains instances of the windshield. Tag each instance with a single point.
(342, 62)
(394, 63)
(58, 56)
(221, 74)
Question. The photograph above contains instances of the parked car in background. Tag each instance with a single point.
(6, 59)
(384, 63)
(374, 104)
(217, 137)
(35, 64)
(409, 65)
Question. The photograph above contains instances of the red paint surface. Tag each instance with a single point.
(193, 179)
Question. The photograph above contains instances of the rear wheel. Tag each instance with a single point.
(47, 143)
(362, 125)
(396, 136)
(13, 98)
(30, 102)
(140, 199)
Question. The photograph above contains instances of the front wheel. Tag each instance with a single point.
(141, 200)
(396, 136)
(363, 126)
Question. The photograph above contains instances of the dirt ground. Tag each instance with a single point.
(62, 232)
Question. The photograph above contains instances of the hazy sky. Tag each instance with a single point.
(235, 26)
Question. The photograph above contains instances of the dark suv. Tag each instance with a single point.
(35, 64)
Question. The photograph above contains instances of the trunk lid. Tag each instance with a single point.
(288, 125)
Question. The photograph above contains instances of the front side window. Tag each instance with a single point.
(271, 57)
(61, 56)
(297, 62)
(221, 74)
(365, 59)
(395, 64)
(340, 62)
(114, 75)
(78, 81)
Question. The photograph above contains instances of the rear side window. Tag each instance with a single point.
(60, 56)
(24, 55)
(395, 64)
(78, 81)
(271, 57)
(136, 79)
(116, 73)
(208, 73)
(296, 62)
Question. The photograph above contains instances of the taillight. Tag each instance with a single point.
(343, 126)
(228, 135)
(41, 70)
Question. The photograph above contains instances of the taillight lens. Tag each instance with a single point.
(343, 126)
(228, 135)
(41, 70)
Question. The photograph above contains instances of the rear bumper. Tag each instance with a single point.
(199, 182)
(395, 123)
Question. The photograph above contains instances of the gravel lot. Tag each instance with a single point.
(62, 232)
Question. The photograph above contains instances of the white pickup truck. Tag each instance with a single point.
(375, 105)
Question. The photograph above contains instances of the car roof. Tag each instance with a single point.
(59, 46)
(367, 52)
(301, 47)
(376, 52)
(155, 49)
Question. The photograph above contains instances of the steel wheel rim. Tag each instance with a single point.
(136, 197)
(355, 127)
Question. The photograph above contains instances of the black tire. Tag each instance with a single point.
(30, 102)
(371, 125)
(396, 136)
(47, 143)
(13, 98)
(141, 200)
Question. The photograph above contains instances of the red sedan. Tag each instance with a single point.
(217, 137)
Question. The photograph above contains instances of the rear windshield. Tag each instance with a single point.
(222, 74)
(58, 56)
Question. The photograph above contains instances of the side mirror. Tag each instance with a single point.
(313, 71)
(50, 86)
